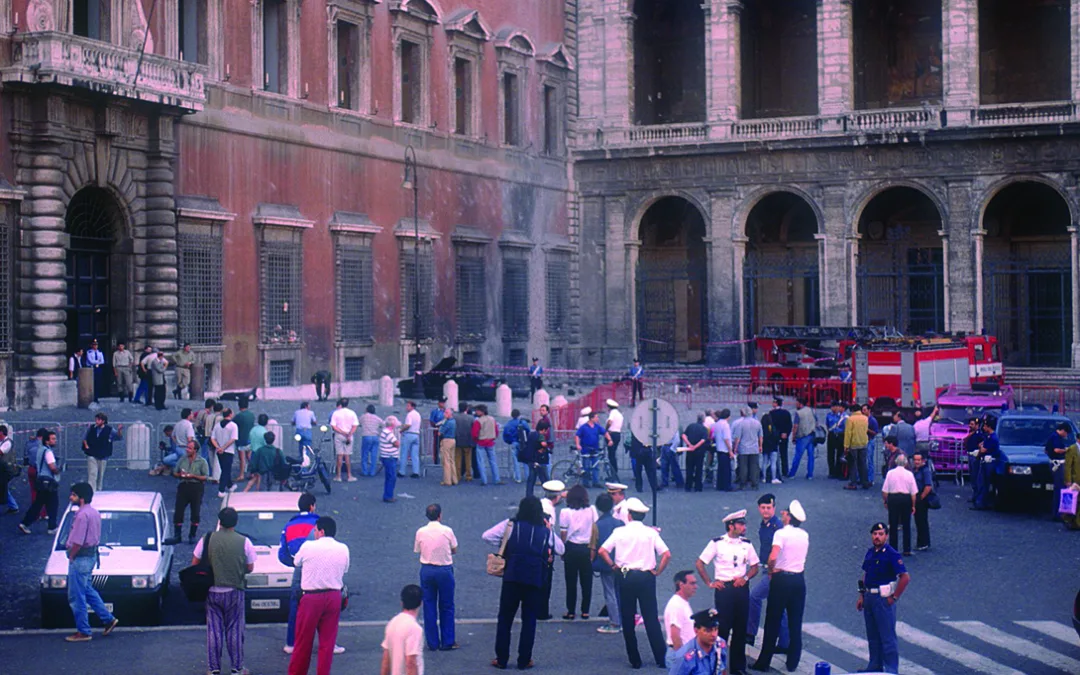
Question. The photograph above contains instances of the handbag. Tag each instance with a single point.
(344, 597)
(1067, 502)
(933, 502)
(44, 483)
(196, 580)
(496, 562)
(820, 436)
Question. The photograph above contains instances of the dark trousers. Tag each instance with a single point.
(637, 391)
(723, 471)
(857, 469)
(545, 592)
(669, 463)
(922, 523)
(159, 396)
(899, 516)
(834, 450)
(644, 462)
(529, 598)
(225, 460)
(749, 470)
(188, 494)
(733, 605)
(49, 500)
(5, 479)
(787, 592)
(695, 464)
(538, 472)
(437, 583)
(322, 388)
(783, 456)
(578, 569)
(637, 595)
(535, 384)
(613, 453)
(142, 390)
(101, 382)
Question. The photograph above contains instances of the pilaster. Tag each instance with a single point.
(978, 236)
(835, 294)
(835, 52)
(958, 255)
(851, 259)
(1074, 38)
(723, 64)
(618, 66)
(960, 59)
(621, 263)
(724, 289)
(1074, 250)
(157, 315)
(738, 260)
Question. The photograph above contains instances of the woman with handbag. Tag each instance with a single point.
(924, 481)
(47, 484)
(526, 545)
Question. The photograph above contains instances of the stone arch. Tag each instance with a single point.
(868, 195)
(995, 188)
(646, 201)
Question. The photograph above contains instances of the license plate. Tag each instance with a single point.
(266, 604)
(108, 607)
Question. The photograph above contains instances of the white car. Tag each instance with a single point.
(134, 564)
(262, 518)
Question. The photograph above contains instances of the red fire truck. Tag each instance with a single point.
(864, 363)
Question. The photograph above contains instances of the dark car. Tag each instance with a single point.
(473, 383)
(1026, 471)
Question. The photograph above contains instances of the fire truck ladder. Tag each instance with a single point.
(859, 333)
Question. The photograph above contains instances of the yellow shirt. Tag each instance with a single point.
(855, 431)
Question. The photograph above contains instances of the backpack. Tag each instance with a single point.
(510, 435)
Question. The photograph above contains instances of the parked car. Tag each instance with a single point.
(473, 383)
(955, 407)
(1025, 472)
(262, 516)
(135, 562)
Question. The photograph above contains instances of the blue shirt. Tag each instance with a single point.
(536, 371)
(636, 372)
(436, 417)
(448, 428)
(766, 531)
(299, 529)
(834, 422)
(882, 566)
(691, 660)
(590, 436)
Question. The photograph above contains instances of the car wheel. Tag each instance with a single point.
(50, 620)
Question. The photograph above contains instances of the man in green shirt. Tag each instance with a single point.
(183, 360)
(192, 471)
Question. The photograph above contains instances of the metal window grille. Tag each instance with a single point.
(354, 292)
(354, 368)
(555, 358)
(417, 363)
(516, 357)
(281, 373)
(427, 295)
(282, 292)
(200, 263)
(471, 357)
(5, 279)
(558, 286)
(471, 299)
(515, 297)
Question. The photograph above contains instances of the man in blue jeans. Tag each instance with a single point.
(437, 545)
(82, 554)
(299, 529)
(803, 431)
(588, 444)
(669, 462)
(410, 441)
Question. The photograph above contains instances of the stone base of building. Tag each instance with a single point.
(1076, 355)
(42, 391)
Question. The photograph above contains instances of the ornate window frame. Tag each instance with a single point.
(360, 13)
(466, 34)
(556, 66)
(292, 40)
(514, 51)
(214, 34)
(410, 22)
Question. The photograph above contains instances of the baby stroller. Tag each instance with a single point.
(304, 472)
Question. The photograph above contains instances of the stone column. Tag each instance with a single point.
(959, 265)
(947, 280)
(851, 255)
(835, 52)
(1074, 249)
(978, 236)
(160, 300)
(835, 291)
(629, 326)
(738, 258)
(621, 263)
(723, 64)
(960, 59)
(618, 66)
(723, 300)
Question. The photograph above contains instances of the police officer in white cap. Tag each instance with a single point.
(554, 491)
(618, 496)
(613, 434)
(735, 562)
(787, 588)
(632, 552)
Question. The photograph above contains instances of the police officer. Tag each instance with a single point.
(735, 562)
(635, 548)
(706, 654)
(988, 453)
(884, 581)
(787, 588)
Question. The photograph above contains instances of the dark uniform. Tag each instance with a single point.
(733, 558)
(882, 567)
(693, 658)
(989, 454)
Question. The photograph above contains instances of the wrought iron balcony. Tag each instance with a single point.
(70, 60)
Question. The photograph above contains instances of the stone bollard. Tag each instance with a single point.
(386, 391)
(541, 398)
(504, 401)
(450, 393)
(137, 440)
(558, 402)
(198, 382)
(84, 382)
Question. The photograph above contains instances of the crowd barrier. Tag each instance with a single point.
(70, 435)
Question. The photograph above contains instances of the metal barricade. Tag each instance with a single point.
(69, 441)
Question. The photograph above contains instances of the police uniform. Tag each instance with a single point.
(882, 568)
(987, 467)
(618, 511)
(732, 558)
(787, 592)
(552, 488)
(693, 658)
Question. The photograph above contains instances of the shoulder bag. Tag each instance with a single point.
(44, 483)
(196, 580)
(496, 562)
(933, 502)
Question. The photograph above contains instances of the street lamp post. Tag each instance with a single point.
(411, 182)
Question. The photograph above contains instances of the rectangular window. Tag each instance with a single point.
(281, 266)
(90, 18)
(411, 85)
(276, 46)
(5, 277)
(415, 276)
(511, 122)
(200, 304)
(281, 373)
(191, 25)
(472, 357)
(462, 96)
(471, 294)
(551, 120)
(516, 357)
(348, 65)
(355, 285)
(417, 363)
(354, 368)
(558, 285)
(515, 297)
(555, 358)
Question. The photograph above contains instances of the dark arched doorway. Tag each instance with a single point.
(900, 265)
(780, 275)
(95, 272)
(671, 283)
(1027, 277)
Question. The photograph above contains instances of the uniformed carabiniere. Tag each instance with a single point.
(635, 548)
(735, 562)
(706, 653)
(885, 580)
(787, 588)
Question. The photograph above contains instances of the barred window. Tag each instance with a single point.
(5, 277)
(515, 298)
(281, 273)
(200, 263)
(471, 294)
(354, 291)
(281, 373)
(558, 293)
(354, 368)
(408, 292)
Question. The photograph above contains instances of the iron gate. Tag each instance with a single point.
(902, 287)
(657, 320)
(1029, 309)
(787, 280)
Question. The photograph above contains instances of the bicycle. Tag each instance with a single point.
(571, 470)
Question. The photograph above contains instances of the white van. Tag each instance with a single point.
(134, 564)
(262, 517)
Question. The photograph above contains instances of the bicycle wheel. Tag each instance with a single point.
(565, 471)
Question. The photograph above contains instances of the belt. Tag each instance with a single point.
(793, 574)
(87, 552)
(424, 564)
(873, 591)
(626, 571)
(322, 590)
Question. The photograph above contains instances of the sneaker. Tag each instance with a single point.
(221, 495)
(776, 481)
(79, 637)
(337, 479)
(608, 629)
(338, 649)
(110, 627)
(240, 671)
(232, 488)
(288, 649)
(24, 529)
(922, 548)
(352, 479)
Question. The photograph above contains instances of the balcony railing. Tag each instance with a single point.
(70, 60)
(894, 119)
(777, 127)
(649, 135)
(1024, 113)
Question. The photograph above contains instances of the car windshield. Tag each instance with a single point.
(263, 528)
(958, 414)
(118, 528)
(1034, 431)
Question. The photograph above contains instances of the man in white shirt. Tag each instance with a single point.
(898, 493)
(223, 440)
(787, 588)
(410, 439)
(678, 616)
(613, 428)
(184, 430)
(344, 423)
(437, 545)
(725, 450)
(403, 642)
(323, 563)
(7, 471)
(636, 548)
(554, 491)
(735, 563)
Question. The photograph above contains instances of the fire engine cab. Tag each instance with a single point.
(865, 363)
